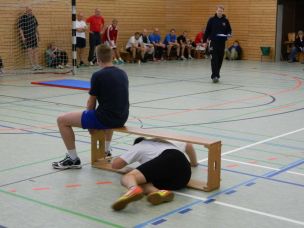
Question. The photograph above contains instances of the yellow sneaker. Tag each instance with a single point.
(135, 193)
(160, 196)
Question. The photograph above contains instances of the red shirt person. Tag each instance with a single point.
(199, 38)
(96, 22)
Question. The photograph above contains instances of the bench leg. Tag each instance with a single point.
(214, 171)
(97, 146)
(98, 156)
(214, 167)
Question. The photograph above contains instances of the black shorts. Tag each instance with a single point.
(129, 50)
(30, 42)
(80, 42)
(171, 170)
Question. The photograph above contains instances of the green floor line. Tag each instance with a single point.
(37, 162)
(78, 214)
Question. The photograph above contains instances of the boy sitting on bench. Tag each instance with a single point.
(110, 87)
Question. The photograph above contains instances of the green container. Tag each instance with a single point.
(265, 51)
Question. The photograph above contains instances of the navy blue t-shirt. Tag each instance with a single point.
(111, 87)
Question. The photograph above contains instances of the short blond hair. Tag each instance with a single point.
(104, 53)
(220, 7)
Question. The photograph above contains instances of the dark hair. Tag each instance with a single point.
(138, 140)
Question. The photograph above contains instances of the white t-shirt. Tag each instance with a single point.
(80, 25)
(146, 150)
(132, 40)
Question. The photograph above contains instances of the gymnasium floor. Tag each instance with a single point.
(256, 110)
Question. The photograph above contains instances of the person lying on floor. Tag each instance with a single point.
(163, 167)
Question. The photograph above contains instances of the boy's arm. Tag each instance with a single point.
(191, 154)
(91, 103)
(118, 163)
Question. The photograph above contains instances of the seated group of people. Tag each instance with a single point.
(143, 45)
(298, 47)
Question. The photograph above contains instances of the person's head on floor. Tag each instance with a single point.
(138, 140)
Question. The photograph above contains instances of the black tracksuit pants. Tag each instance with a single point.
(217, 49)
(95, 40)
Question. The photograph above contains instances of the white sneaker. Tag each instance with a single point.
(59, 67)
(183, 57)
(190, 57)
(91, 63)
(38, 67)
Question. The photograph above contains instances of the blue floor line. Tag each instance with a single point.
(210, 199)
(257, 176)
(169, 213)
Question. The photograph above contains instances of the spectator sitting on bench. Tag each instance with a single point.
(136, 47)
(234, 52)
(171, 42)
(159, 47)
(149, 48)
(198, 41)
(163, 165)
(298, 47)
(184, 44)
(56, 57)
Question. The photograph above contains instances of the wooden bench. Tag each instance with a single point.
(214, 154)
(300, 57)
(198, 54)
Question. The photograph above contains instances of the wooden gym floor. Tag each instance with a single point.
(257, 111)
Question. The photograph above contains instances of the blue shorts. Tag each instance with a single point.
(90, 121)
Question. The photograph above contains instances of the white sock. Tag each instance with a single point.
(107, 146)
(72, 154)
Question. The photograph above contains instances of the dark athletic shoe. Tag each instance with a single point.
(215, 80)
(67, 163)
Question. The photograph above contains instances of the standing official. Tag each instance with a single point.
(28, 28)
(217, 31)
(96, 28)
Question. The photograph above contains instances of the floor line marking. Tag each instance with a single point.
(68, 211)
(260, 166)
(257, 143)
(266, 175)
(244, 209)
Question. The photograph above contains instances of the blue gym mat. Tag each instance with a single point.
(66, 83)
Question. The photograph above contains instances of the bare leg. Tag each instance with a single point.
(182, 50)
(149, 188)
(35, 56)
(133, 178)
(108, 135)
(65, 123)
(134, 50)
(168, 50)
(80, 52)
(177, 49)
(30, 55)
